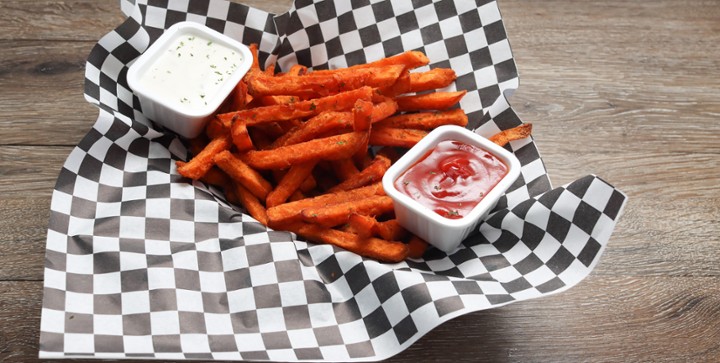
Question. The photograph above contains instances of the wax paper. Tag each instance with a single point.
(142, 263)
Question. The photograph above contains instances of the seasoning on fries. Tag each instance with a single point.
(295, 149)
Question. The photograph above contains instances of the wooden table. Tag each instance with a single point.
(627, 90)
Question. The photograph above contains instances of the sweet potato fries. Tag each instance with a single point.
(294, 148)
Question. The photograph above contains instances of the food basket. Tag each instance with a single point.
(142, 264)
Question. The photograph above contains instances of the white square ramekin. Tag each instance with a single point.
(445, 233)
(187, 122)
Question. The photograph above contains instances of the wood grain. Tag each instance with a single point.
(663, 318)
(42, 94)
(627, 90)
(73, 20)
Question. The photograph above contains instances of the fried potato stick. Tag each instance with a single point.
(243, 174)
(337, 102)
(324, 123)
(255, 65)
(432, 79)
(290, 182)
(327, 148)
(426, 120)
(383, 109)
(402, 85)
(251, 203)
(416, 247)
(311, 131)
(218, 178)
(390, 136)
(215, 128)
(269, 71)
(375, 248)
(345, 168)
(409, 59)
(324, 83)
(515, 133)
(203, 161)
(297, 70)
(331, 122)
(333, 215)
(362, 115)
(362, 225)
(241, 137)
(286, 213)
(240, 98)
(371, 174)
(429, 101)
(278, 100)
(421, 81)
(390, 230)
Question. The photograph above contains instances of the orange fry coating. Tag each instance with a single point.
(338, 102)
(432, 79)
(202, 162)
(297, 70)
(402, 85)
(389, 136)
(331, 122)
(383, 109)
(333, 215)
(290, 182)
(375, 248)
(215, 128)
(409, 59)
(251, 203)
(390, 230)
(216, 177)
(243, 174)
(371, 174)
(284, 214)
(277, 100)
(417, 247)
(362, 225)
(241, 137)
(344, 168)
(328, 148)
(421, 81)
(515, 133)
(429, 101)
(311, 133)
(240, 96)
(362, 115)
(426, 120)
(324, 83)
(255, 66)
(324, 123)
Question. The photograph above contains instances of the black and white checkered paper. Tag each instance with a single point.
(142, 263)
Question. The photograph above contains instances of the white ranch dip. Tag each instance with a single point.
(190, 72)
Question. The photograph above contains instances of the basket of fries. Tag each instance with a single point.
(269, 236)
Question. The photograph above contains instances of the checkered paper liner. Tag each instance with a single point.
(141, 263)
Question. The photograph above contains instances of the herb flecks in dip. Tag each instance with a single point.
(190, 72)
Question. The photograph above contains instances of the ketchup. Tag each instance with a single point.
(452, 178)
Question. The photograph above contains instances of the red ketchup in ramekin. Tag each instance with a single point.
(452, 178)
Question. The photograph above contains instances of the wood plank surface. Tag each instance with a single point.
(627, 90)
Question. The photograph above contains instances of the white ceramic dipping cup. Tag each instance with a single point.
(186, 74)
(445, 233)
